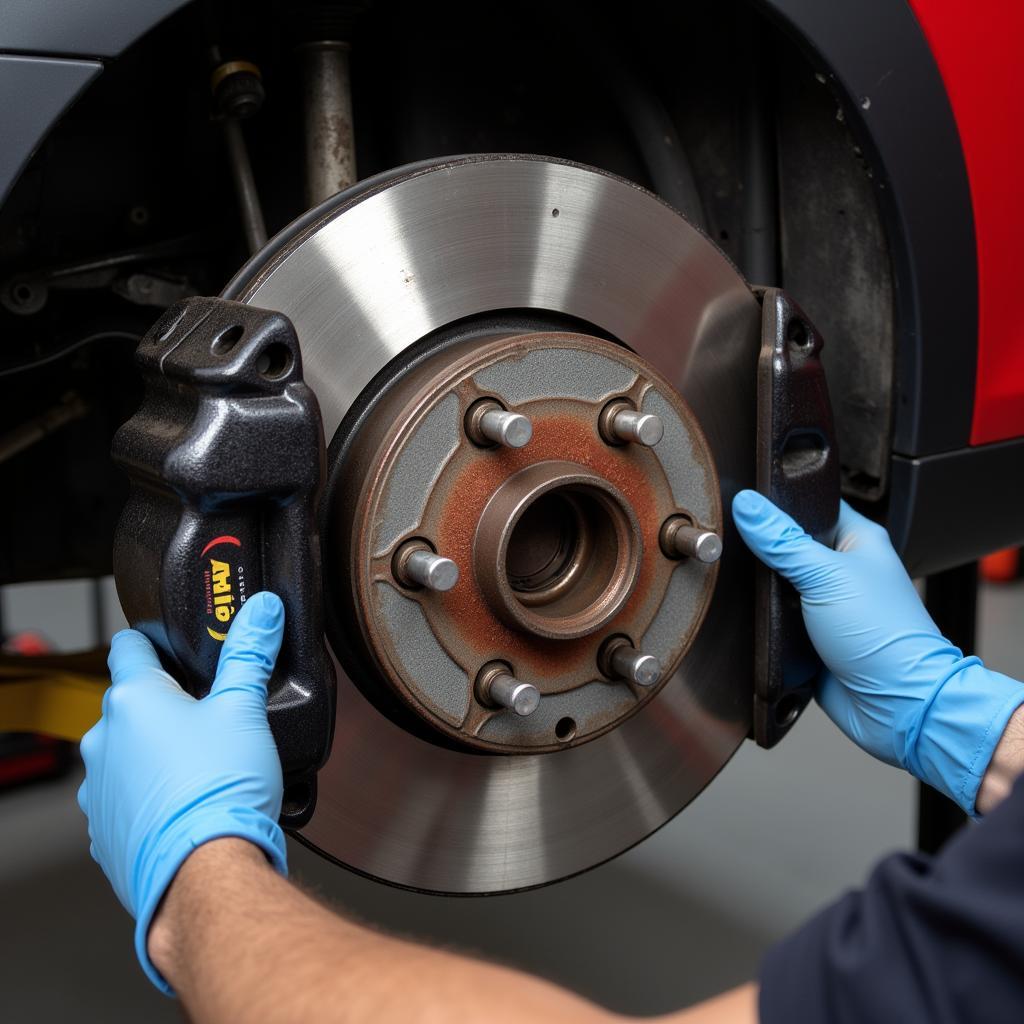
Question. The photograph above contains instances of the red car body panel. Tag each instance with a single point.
(978, 49)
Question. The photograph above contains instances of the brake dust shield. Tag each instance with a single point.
(543, 255)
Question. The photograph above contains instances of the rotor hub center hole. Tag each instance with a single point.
(544, 547)
(558, 550)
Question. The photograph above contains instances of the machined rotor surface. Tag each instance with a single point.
(381, 267)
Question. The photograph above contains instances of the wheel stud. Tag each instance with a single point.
(497, 687)
(621, 424)
(488, 423)
(621, 660)
(416, 564)
(681, 539)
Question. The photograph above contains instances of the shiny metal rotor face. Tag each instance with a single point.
(385, 265)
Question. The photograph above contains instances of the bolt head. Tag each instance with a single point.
(443, 574)
(649, 430)
(646, 670)
(517, 431)
(525, 699)
(492, 424)
(708, 547)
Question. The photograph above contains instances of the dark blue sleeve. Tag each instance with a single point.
(937, 940)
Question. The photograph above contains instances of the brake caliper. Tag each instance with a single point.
(225, 457)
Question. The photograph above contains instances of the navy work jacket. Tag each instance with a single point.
(929, 940)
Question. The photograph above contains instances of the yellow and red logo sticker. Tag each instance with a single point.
(223, 583)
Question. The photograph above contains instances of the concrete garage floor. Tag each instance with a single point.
(684, 915)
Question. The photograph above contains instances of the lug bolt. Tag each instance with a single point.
(680, 539)
(497, 687)
(622, 424)
(621, 660)
(488, 423)
(415, 564)
(509, 692)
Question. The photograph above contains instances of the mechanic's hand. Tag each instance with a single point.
(166, 773)
(893, 683)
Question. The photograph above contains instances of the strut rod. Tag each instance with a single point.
(327, 103)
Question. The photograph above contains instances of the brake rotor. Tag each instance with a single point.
(424, 293)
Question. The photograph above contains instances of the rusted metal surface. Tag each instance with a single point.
(548, 631)
(557, 569)
(330, 137)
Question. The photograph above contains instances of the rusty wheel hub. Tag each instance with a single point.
(556, 535)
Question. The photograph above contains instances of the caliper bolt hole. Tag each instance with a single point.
(227, 340)
(798, 335)
(787, 709)
(274, 361)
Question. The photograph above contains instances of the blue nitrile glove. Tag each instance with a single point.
(893, 684)
(165, 773)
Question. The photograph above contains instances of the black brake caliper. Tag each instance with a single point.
(226, 456)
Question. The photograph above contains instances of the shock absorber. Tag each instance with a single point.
(327, 101)
(324, 53)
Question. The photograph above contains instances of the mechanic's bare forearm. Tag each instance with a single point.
(1006, 766)
(238, 942)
